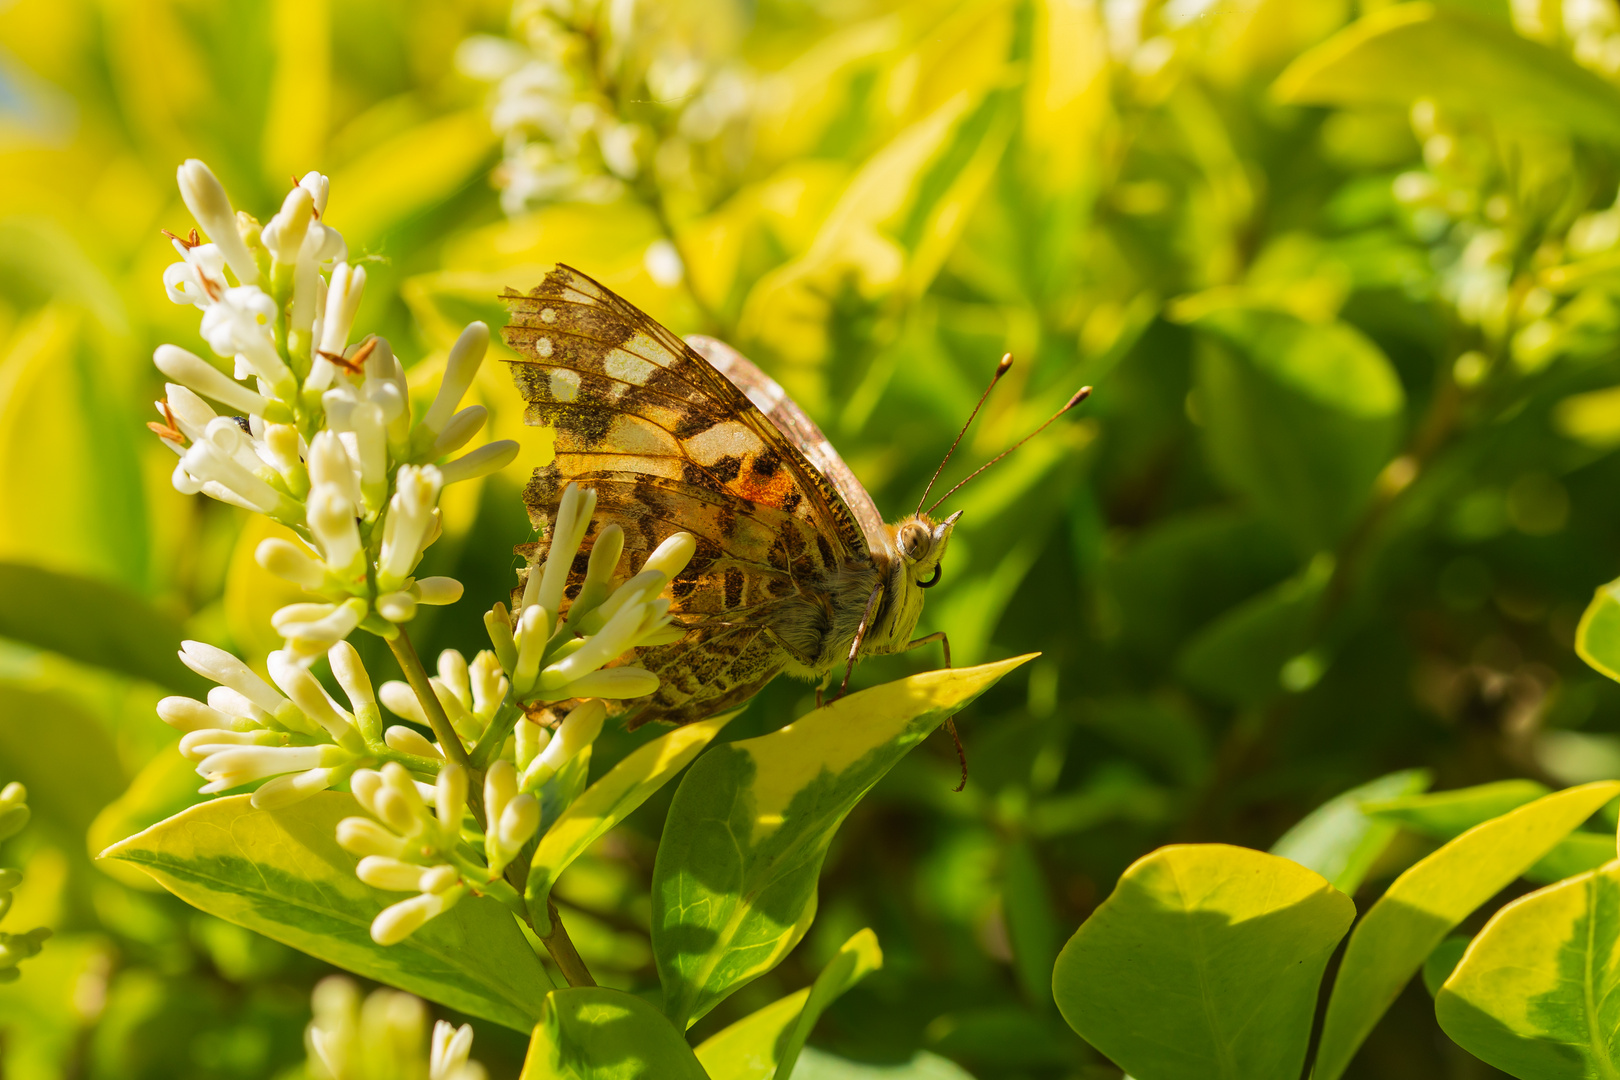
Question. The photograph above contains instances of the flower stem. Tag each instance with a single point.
(417, 676)
(561, 948)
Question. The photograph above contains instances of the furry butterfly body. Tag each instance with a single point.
(795, 570)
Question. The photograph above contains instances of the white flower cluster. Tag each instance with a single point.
(14, 948)
(416, 844)
(381, 1038)
(1480, 218)
(316, 432)
(297, 736)
(599, 96)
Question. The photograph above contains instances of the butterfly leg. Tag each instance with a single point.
(950, 721)
(860, 637)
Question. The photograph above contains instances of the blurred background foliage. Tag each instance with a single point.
(1346, 277)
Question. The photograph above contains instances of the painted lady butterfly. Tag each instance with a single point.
(795, 570)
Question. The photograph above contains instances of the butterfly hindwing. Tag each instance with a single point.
(670, 444)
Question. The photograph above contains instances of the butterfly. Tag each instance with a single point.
(795, 571)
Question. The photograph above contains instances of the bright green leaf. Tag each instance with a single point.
(1339, 840)
(923, 1066)
(1426, 902)
(610, 800)
(281, 873)
(734, 886)
(1535, 995)
(164, 787)
(1597, 638)
(766, 1043)
(1203, 963)
(1461, 61)
(593, 1033)
(61, 753)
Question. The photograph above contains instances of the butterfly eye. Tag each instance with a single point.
(931, 582)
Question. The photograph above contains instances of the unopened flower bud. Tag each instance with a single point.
(206, 199)
(459, 370)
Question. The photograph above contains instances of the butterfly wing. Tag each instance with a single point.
(797, 427)
(670, 444)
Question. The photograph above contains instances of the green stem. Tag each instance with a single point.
(494, 737)
(417, 676)
(561, 948)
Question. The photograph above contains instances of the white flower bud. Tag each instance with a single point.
(331, 519)
(451, 1045)
(398, 698)
(233, 704)
(318, 624)
(438, 591)
(319, 188)
(611, 683)
(518, 822)
(459, 370)
(286, 790)
(460, 430)
(371, 444)
(196, 745)
(284, 236)
(237, 765)
(212, 465)
(382, 872)
(184, 714)
(343, 294)
(451, 798)
(578, 730)
(487, 682)
(439, 878)
(531, 738)
(487, 459)
(221, 667)
(330, 463)
(574, 511)
(197, 374)
(352, 676)
(601, 647)
(403, 919)
(410, 520)
(605, 554)
(534, 630)
(397, 607)
(308, 694)
(362, 836)
(647, 584)
(191, 413)
(671, 557)
(500, 787)
(410, 741)
(205, 197)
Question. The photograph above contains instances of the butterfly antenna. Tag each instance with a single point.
(1079, 396)
(1001, 369)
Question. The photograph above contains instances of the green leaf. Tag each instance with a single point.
(766, 1043)
(45, 608)
(1203, 963)
(1597, 638)
(1535, 995)
(1426, 902)
(61, 753)
(1032, 926)
(1464, 63)
(423, 165)
(593, 1033)
(1299, 417)
(816, 1065)
(609, 801)
(164, 787)
(1445, 814)
(281, 873)
(734, 885)
(1339, 839)
(1443, 961)
(1241, 656)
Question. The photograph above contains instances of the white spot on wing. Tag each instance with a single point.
(542, 347)
(731, 437)
(564, 384)
(548, 315)
(627, 368)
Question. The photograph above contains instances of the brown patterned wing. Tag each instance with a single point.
(794, 424)
(670, 444)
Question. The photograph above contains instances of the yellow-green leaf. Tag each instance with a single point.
(1597, 638)
(1428, 900)
(1461, 61)
(610, 800)
(281, 873)
(1203, 963)
(1535, 994)
(593, 1033)
(734, 886)
(766, 1044)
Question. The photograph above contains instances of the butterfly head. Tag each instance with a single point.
(920, 541)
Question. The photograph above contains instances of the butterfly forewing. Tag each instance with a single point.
(670, 444)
